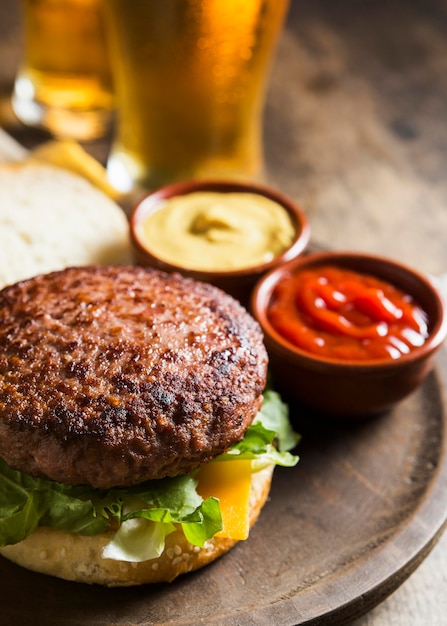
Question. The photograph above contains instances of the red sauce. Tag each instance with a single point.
(339, 313)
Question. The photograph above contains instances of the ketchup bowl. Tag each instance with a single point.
(348, 334)
(185, 239)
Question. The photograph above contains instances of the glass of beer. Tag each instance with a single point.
(64, 83)
(190, 80)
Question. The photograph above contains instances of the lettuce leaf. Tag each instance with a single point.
(138, 540)
(269, 438)
(144, 514)
(27, 502)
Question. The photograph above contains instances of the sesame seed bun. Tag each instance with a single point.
(79, 558)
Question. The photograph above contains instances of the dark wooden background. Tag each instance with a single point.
(356, 131)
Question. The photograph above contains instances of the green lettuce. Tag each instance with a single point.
(144, 514)
(270, 437)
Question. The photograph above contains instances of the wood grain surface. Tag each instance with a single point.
(356, 131)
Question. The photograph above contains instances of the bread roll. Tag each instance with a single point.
(51, 218)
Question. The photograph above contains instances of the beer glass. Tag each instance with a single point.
(190, 79)
(64, 83)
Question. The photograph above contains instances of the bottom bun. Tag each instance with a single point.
(79, 558)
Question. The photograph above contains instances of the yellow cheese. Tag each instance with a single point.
(230, 482)
(70, 155)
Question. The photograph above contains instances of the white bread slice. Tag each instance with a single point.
(51, 218)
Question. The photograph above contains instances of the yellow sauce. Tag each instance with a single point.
(218, 231)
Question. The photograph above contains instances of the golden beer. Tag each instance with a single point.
(64, 83)
(190, 79)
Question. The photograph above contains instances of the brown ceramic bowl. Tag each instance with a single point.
(348, 388)
(238, 283)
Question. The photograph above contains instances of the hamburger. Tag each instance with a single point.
(137, 441)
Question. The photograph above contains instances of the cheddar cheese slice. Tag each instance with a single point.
(71, 155)
(230, 482)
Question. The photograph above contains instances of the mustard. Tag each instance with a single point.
(218, 231)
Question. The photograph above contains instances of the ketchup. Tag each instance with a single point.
(338, 313)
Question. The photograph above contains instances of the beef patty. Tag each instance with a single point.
(110, 376)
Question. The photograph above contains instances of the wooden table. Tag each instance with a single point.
(356, 131)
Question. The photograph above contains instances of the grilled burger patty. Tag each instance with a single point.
(110, 376)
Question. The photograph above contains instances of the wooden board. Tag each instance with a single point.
(340, 532)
